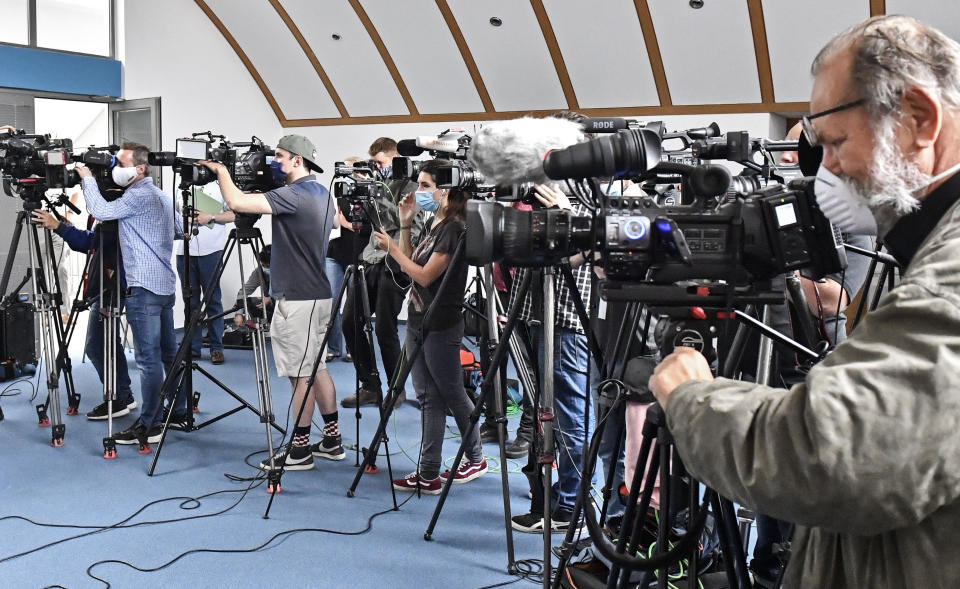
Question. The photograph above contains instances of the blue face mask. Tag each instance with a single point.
(425, 200)
(276, 168)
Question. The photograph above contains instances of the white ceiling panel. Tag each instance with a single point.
(513, 59)
(708, 53)
(352, 63)
(277, 56)
(614, 69)
(795, 33)
(426, 55)
(942, 14)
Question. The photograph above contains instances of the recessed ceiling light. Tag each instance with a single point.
(696, 4)
(336, 36)
(496, 21)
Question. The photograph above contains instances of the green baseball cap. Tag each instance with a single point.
(300, 145)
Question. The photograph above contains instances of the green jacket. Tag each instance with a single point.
(865, 454)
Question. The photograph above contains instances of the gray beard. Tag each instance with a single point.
(892, 181)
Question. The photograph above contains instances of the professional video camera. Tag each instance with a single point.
(452, 145)
(33, 164)
(355, 187)
(249, 169)
(739, 238)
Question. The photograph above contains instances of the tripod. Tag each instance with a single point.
(180, 378)
(54, 352)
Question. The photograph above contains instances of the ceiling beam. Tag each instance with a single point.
(653, 51)
(760, 49)
(878, 7)
(551, 38)
(385, 55)
(243, 58)
(466, 54)
(308, 51)
(636, 111)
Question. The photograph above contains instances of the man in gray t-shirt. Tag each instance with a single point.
(302, 215)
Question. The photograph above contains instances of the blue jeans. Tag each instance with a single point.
(94, 350)
(151, 319)
(335, 270)
(202, 269)
(570, 402)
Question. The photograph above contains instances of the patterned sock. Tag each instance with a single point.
(301, 436)
(331, 424)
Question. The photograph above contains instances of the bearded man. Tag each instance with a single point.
(864, 456)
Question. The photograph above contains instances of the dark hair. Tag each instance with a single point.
(456, 199)
(140, 154)
(384, 144)
(265, 255)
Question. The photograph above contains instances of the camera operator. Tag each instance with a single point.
(386, 284)
(88, 242)
(147, 229)
(340, 255)
(437, 375)
(205, 251)
(571, 396)
(863, 454)
(302, 215)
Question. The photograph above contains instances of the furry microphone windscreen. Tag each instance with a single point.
(512, 152)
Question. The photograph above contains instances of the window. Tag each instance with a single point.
(15, 16)
(82, 26)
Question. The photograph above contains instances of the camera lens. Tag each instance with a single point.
(627, 151)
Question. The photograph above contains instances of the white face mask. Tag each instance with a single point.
(124, 176)
(840, 203)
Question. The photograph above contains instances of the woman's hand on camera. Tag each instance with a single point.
(407, 209)
(384, 241)
(214, 167)
(551, 197)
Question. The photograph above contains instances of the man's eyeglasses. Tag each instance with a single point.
(811, 133)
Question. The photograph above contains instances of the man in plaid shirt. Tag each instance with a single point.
(570, 370)
(147, 229)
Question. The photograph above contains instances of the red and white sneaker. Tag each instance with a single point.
(467, 472)
(413, 481)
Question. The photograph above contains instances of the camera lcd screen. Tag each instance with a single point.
(786, 215)
(192, 149)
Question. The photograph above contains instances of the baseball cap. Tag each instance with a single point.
(300, 145)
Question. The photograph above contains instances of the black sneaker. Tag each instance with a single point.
(330, 448)
(300, 458)
(99, 413)
(518, 448)
(560, 520)
(180, 422)
(488, 432)
(530, 523)
(132, 433)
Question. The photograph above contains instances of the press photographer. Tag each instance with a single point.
(862, 455)
(386, 284)
(302, 215)
(147, 228)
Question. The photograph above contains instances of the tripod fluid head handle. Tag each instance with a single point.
(777, 336)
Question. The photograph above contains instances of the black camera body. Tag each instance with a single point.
(248, 168)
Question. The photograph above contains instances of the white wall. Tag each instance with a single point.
(172, 50)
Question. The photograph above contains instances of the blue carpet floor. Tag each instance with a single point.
(206, 513)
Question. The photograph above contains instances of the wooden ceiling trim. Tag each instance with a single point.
(762, 51)
(243, 58)
(466, 54)
(308, 51)
(551, 39)
(653, 51)
(385, 55)
(878, 7)
(637, 111)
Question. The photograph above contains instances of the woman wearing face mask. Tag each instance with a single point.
(436, 373)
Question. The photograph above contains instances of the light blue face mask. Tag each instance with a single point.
(425, 200)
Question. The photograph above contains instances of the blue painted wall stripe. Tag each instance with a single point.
(52, 71)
